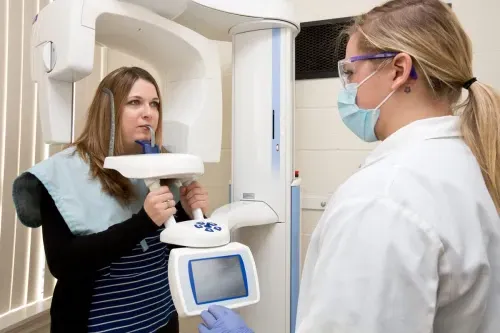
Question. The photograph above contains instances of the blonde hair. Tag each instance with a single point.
(93, 144)
(441, 51)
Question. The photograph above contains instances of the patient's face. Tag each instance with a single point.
(141, 109)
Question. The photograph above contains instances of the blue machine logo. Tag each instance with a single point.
(209, 226)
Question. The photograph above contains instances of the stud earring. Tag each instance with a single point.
(407, 89)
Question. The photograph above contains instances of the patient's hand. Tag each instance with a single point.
(159, 205)
(194, 196)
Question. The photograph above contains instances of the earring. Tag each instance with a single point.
(407, 89)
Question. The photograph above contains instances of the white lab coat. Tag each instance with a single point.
(409, 244)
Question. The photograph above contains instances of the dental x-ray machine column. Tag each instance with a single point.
(176, 38)
(262, 164)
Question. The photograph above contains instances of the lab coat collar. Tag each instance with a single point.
(420, 130)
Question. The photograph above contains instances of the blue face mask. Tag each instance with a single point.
(360, 121)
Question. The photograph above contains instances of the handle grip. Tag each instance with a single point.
(170, 222)
(154, 185)
(198, 214)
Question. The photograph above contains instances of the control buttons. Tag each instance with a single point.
(209, 226)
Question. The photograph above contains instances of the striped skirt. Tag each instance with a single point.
(133, 294)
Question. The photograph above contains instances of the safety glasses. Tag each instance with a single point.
(345, 72)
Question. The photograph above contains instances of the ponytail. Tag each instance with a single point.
(480, 126)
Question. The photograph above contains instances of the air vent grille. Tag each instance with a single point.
(318, 47)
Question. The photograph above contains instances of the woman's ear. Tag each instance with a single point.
(401, 65)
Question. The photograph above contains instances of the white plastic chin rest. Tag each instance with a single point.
(158, 166)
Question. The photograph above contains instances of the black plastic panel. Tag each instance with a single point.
(318, 48)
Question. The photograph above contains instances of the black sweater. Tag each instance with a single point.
(74, 260)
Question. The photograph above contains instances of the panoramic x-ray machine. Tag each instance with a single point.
(246, 254)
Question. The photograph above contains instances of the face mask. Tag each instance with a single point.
(360, 121)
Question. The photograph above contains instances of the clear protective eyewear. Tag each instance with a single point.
(345, 73)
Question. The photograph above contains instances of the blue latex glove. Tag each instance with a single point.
(219, 319)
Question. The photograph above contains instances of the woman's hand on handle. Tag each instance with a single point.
(194, 196)
(160, 205)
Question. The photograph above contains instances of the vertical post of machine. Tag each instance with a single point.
(263, 163)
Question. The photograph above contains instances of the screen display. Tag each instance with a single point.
(218, 279)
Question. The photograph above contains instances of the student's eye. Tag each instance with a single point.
(347, 72)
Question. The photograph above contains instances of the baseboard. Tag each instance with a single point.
(31, 318)
(36, 324)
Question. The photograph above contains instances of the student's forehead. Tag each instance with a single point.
(352, 46)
